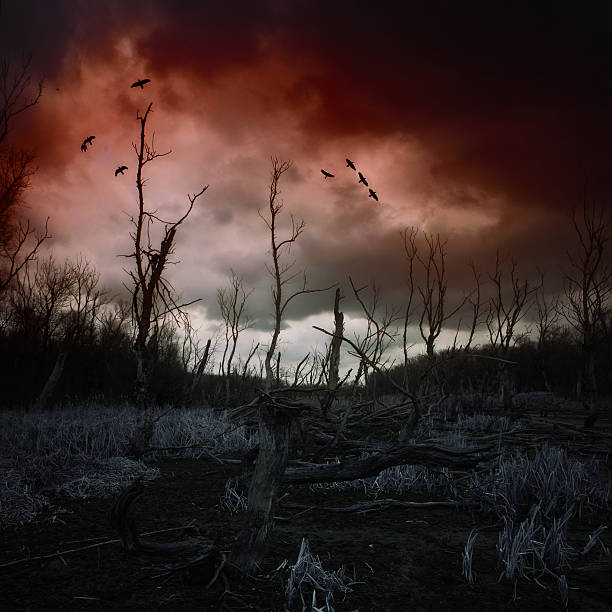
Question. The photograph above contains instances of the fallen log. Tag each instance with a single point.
(416, 454)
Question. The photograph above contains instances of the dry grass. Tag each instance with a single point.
(79, 451)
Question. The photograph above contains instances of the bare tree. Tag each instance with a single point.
(409, 236)
(336, 343)
(474, 300)
(274, 423)
(153, 296)
(379, 332)
(72, 291)
(20, 249)
(587, 306)
(56, 306)
(15, 90)
(434, 312)
(281, 272)
(19, 242)
(507, 308)
(194, 358)
(232, 302)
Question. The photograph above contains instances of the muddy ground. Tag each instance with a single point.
(401, 559)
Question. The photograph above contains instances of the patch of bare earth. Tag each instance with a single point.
(397, 558)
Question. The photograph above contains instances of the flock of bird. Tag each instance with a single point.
(362, 179)
(89, 140)
(121, 169)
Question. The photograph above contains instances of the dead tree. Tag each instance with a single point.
(474, 300)
(232, 302)
(409, 236)
(281, 272)
(507, 308)
(587, 303)
(378, 336)
(193, 358)
(56, 307)
(336, 343)
(547, 309)
(274, 420)
(19, 250)
(153, 296)
(16, 91)
(78, 300)
(358, 351)
(434, 313)
(19, 242)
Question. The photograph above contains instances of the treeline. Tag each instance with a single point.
(64, 339)
(554, 368)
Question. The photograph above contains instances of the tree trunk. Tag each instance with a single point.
(141, 384)
(58, 369)
(336, 342)
(252, 541)
(197, 375)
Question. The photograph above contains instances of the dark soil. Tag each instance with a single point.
(402, 559)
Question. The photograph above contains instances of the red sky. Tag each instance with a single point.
(480, 123)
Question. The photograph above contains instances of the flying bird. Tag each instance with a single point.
(141, 83)
(120, 170)
(350, 164)
(362, 179)
(327, 174)
(87, 141)
(373, 194)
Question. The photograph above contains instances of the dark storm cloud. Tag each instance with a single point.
(509, 107)
(515, 98)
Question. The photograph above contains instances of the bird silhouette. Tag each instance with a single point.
(373, 194)
(141, 83)
(89, 140)
(350, 164)
(327, 174)
(120, 170)
(362, 179)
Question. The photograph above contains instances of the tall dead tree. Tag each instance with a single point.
(281, 271)
(587, 304)
(336, 343)
(274, 420)
(153, 296)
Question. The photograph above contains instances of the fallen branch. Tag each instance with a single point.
(90, 546)
(380, 504)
